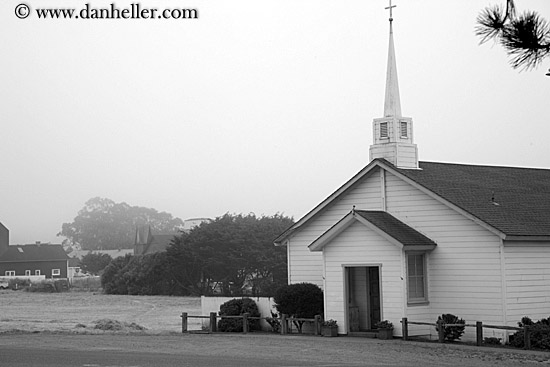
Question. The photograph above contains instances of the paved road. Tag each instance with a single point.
(265, 350)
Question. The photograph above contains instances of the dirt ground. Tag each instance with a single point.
(79, 311)
(58, 320)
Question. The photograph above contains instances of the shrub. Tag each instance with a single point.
(539, 333)
(451, 333)
(42, 287)
(384, 325)
(238, 307)
(301, 300)
(274, 322)
(330, 323)
(18, 283)
(491, 341)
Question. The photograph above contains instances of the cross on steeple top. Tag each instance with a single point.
(391, 10)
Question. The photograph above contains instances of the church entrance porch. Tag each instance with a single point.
(363, 298)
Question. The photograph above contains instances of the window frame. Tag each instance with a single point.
(9, 273)
(418, 300)
(56, 272)
(37, 272)
(27, 273)
(384, 128)
(404, 128)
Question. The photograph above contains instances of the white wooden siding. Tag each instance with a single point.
(360, 246)
(527, 280)
(464, 270)
(307, 266)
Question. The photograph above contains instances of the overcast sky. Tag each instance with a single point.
(257, 106)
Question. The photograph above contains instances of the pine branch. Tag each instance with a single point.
(526, 38)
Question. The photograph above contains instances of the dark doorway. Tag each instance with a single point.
(363, 296)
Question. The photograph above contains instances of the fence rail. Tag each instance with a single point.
(440, 325)
(283, 320)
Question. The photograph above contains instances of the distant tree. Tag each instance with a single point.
(525, 37)
(95, 263)
(139, 275)
(112, 279)
(103, 224)
(229, 252)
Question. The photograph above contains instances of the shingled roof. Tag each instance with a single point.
(515, 201)
(392, 226)
(34, 253)
(382, 222)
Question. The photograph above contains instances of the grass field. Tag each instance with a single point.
(26, 311)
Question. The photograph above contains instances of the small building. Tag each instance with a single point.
(147, 243)
(4, 239)
(38, 259)
(406, 238)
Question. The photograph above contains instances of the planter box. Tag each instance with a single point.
(329, 330)
(385, 334)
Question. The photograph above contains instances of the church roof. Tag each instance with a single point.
(34, 253)
(381, 222)
(392, 226)
(515, 201)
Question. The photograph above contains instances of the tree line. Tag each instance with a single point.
(231, 255)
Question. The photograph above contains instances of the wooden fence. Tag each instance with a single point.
(283, 320)
(479, 330)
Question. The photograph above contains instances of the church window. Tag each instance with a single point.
(416, 278)
(404, 132)
(383, 129)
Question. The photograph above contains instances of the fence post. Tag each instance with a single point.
(183, 322)
(212, 327)
(441, 331)
(479, 333)
(526, 337)
(245, 322)
(405, 327)
(317, 325)
(284, 325)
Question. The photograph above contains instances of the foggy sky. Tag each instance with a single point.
(257, 106)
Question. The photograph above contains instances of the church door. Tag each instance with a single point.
(363, 297)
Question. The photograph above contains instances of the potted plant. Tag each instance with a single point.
(385, 329)
(329, 328)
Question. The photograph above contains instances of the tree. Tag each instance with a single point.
(139, 275)
(301, 300)
(526, 38)
(229, 252)
(95, 263)
(104, 224)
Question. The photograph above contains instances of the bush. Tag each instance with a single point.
(238, 307)
(42, 287)
(539, 334)
(451, 333)
(18, 283)
(491, 341)
(274, 322)
(301, 300)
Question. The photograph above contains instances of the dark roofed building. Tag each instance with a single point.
(147, 243)
(4, 239)
(39, 259)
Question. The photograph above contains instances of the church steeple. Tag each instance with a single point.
(392, 103)
(393, 133)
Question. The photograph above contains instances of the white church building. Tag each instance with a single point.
(407, 238)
